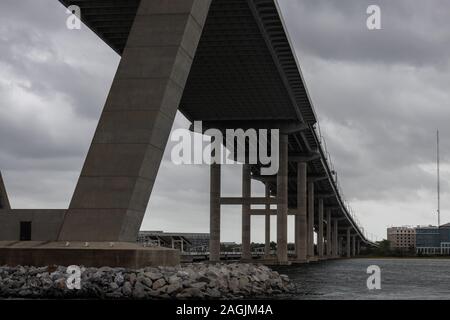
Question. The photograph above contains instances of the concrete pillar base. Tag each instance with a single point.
(88, 254)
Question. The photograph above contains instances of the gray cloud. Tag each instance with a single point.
(413, 32)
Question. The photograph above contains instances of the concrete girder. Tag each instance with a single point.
(246, 216)
(301, 223)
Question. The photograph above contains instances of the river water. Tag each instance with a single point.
(347, 279)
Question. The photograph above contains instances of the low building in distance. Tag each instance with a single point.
(402, 238)
(432, 240)
(427, 237)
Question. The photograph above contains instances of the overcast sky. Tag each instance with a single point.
(379, 95)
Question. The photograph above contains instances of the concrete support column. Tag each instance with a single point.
(329, 241)
(282, 201)
(267, 242)
(214, 218)
(348, 251)
(301, 227)
(310, 219)
(246, 218)
(335, 238)
(320, 235)
(354, 246)
(340, 246)
(358, 247)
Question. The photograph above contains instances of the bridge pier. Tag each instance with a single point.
(310, 219)
(120, 169)
(358, 247)
(348, 251)
(335, 238)
(329, 241)
(282, 201)
(267, 224)
(320, 233)
(214, 217)
(354, 245)
(301, 227)
(246, 218)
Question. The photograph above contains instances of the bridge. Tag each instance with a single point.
(231, 65)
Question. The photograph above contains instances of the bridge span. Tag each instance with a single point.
(231, 65)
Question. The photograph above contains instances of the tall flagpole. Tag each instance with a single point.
(438, 183)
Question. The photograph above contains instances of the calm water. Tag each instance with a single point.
(346, 279)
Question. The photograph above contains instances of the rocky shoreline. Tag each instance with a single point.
(191, 281)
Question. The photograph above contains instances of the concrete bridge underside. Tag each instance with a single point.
(230, 64)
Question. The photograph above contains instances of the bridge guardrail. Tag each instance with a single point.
(329, 163)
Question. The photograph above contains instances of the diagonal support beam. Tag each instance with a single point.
(117, 179)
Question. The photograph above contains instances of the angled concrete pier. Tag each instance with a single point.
(246, 218)
(348, 243)
(121, 167)
(310, 219)
(267, 223)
